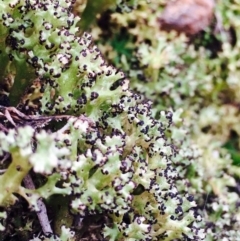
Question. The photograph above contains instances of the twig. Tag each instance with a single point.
(42, 214)
(16, 118)
(2, 127)
(6, 156)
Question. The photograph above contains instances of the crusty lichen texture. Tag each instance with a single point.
(111, 157)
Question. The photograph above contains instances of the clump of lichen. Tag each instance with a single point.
(83, 135)
(198, 75)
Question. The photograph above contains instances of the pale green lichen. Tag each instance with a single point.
(200, 76)
(102, 163)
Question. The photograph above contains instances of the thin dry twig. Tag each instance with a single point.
(16, 117)
(42, 213)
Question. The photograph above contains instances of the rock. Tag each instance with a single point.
(188, 16)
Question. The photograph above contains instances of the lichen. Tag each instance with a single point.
(107, 154)
(198, 75)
